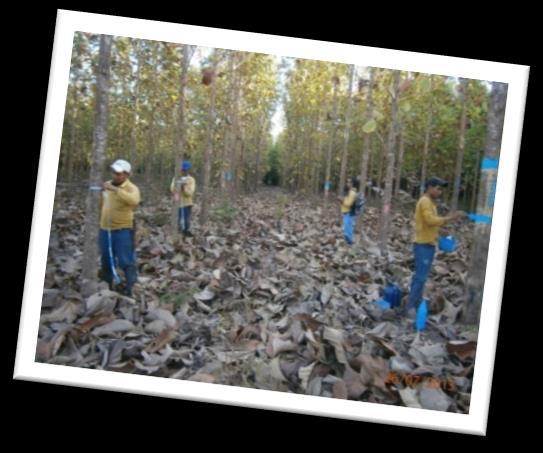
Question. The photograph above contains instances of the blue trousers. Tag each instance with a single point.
(121, 254)
(348, 227)
(184, 219)
(424, 255)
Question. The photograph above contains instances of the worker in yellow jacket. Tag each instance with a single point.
(183, 189)
(427, 224)
(347, 203)
(116, 238)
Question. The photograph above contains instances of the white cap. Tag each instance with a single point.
(121, 166)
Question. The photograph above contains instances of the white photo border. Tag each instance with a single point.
(69, 22)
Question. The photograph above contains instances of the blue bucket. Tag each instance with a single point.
(393, 295)
(447, 244)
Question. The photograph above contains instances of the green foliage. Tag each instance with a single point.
(144, 102)
(224, 213)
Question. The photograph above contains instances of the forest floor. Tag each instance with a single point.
(267, 296)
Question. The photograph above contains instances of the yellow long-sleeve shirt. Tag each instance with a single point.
(427, 222)
(185, 191)
(348, 202)
(118, 207)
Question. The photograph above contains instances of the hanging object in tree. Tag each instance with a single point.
(208, 76)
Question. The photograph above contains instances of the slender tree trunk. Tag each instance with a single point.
(240, 180)
(461, 145)
(366, 152)
(180, 132)
(333, 125)
(90, 252)
(317, 162)
(151, 158)
(380, 167)
(208, 154)
(348, 111)
(227, 144)
(475, 184)
(489, 172)
(261, 135)
(427, 137)
(135, 102)
(400, 161)
(150, 161)
(371, 163)
(236, 133)
(465, 193)
(71, 151)
(299, 156)
(384, 224)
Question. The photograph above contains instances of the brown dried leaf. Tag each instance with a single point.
(166, 337)
(462, 349)
(114, 327)
(99, 319)
(339, 390)
(353, 381)
(277, 345)
(202, 377)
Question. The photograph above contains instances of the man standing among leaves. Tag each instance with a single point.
(117, 241)
(183, 189)
(427, 224)
(347, 204)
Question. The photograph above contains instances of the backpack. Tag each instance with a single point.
(358, 205)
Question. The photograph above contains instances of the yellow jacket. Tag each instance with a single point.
(117, 210)
(348, 202)
(427, 222)
(185, 191)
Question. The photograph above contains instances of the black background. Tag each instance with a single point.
(68, 416)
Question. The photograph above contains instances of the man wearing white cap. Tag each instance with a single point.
(119, 199)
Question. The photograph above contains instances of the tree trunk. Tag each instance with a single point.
(241, 179)
(317, 162)
(343, 169)
(384, 224)
(371, 163)
(90, 252)
(180, 133)
(151, 159)
(227, 143)
(465, 194)
(135, 98)
(232, 174)
(380, 166)
(427, 138)
(489, 171)
(71, 152)
(261, 135)
(208, 153)
(366, 152)
(333, 125)
(461, 145)
(401, 151)
(475, 183)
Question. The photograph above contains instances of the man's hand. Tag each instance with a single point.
(109, 186)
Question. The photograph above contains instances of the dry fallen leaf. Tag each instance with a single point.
(202, 377)
(113, 327)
